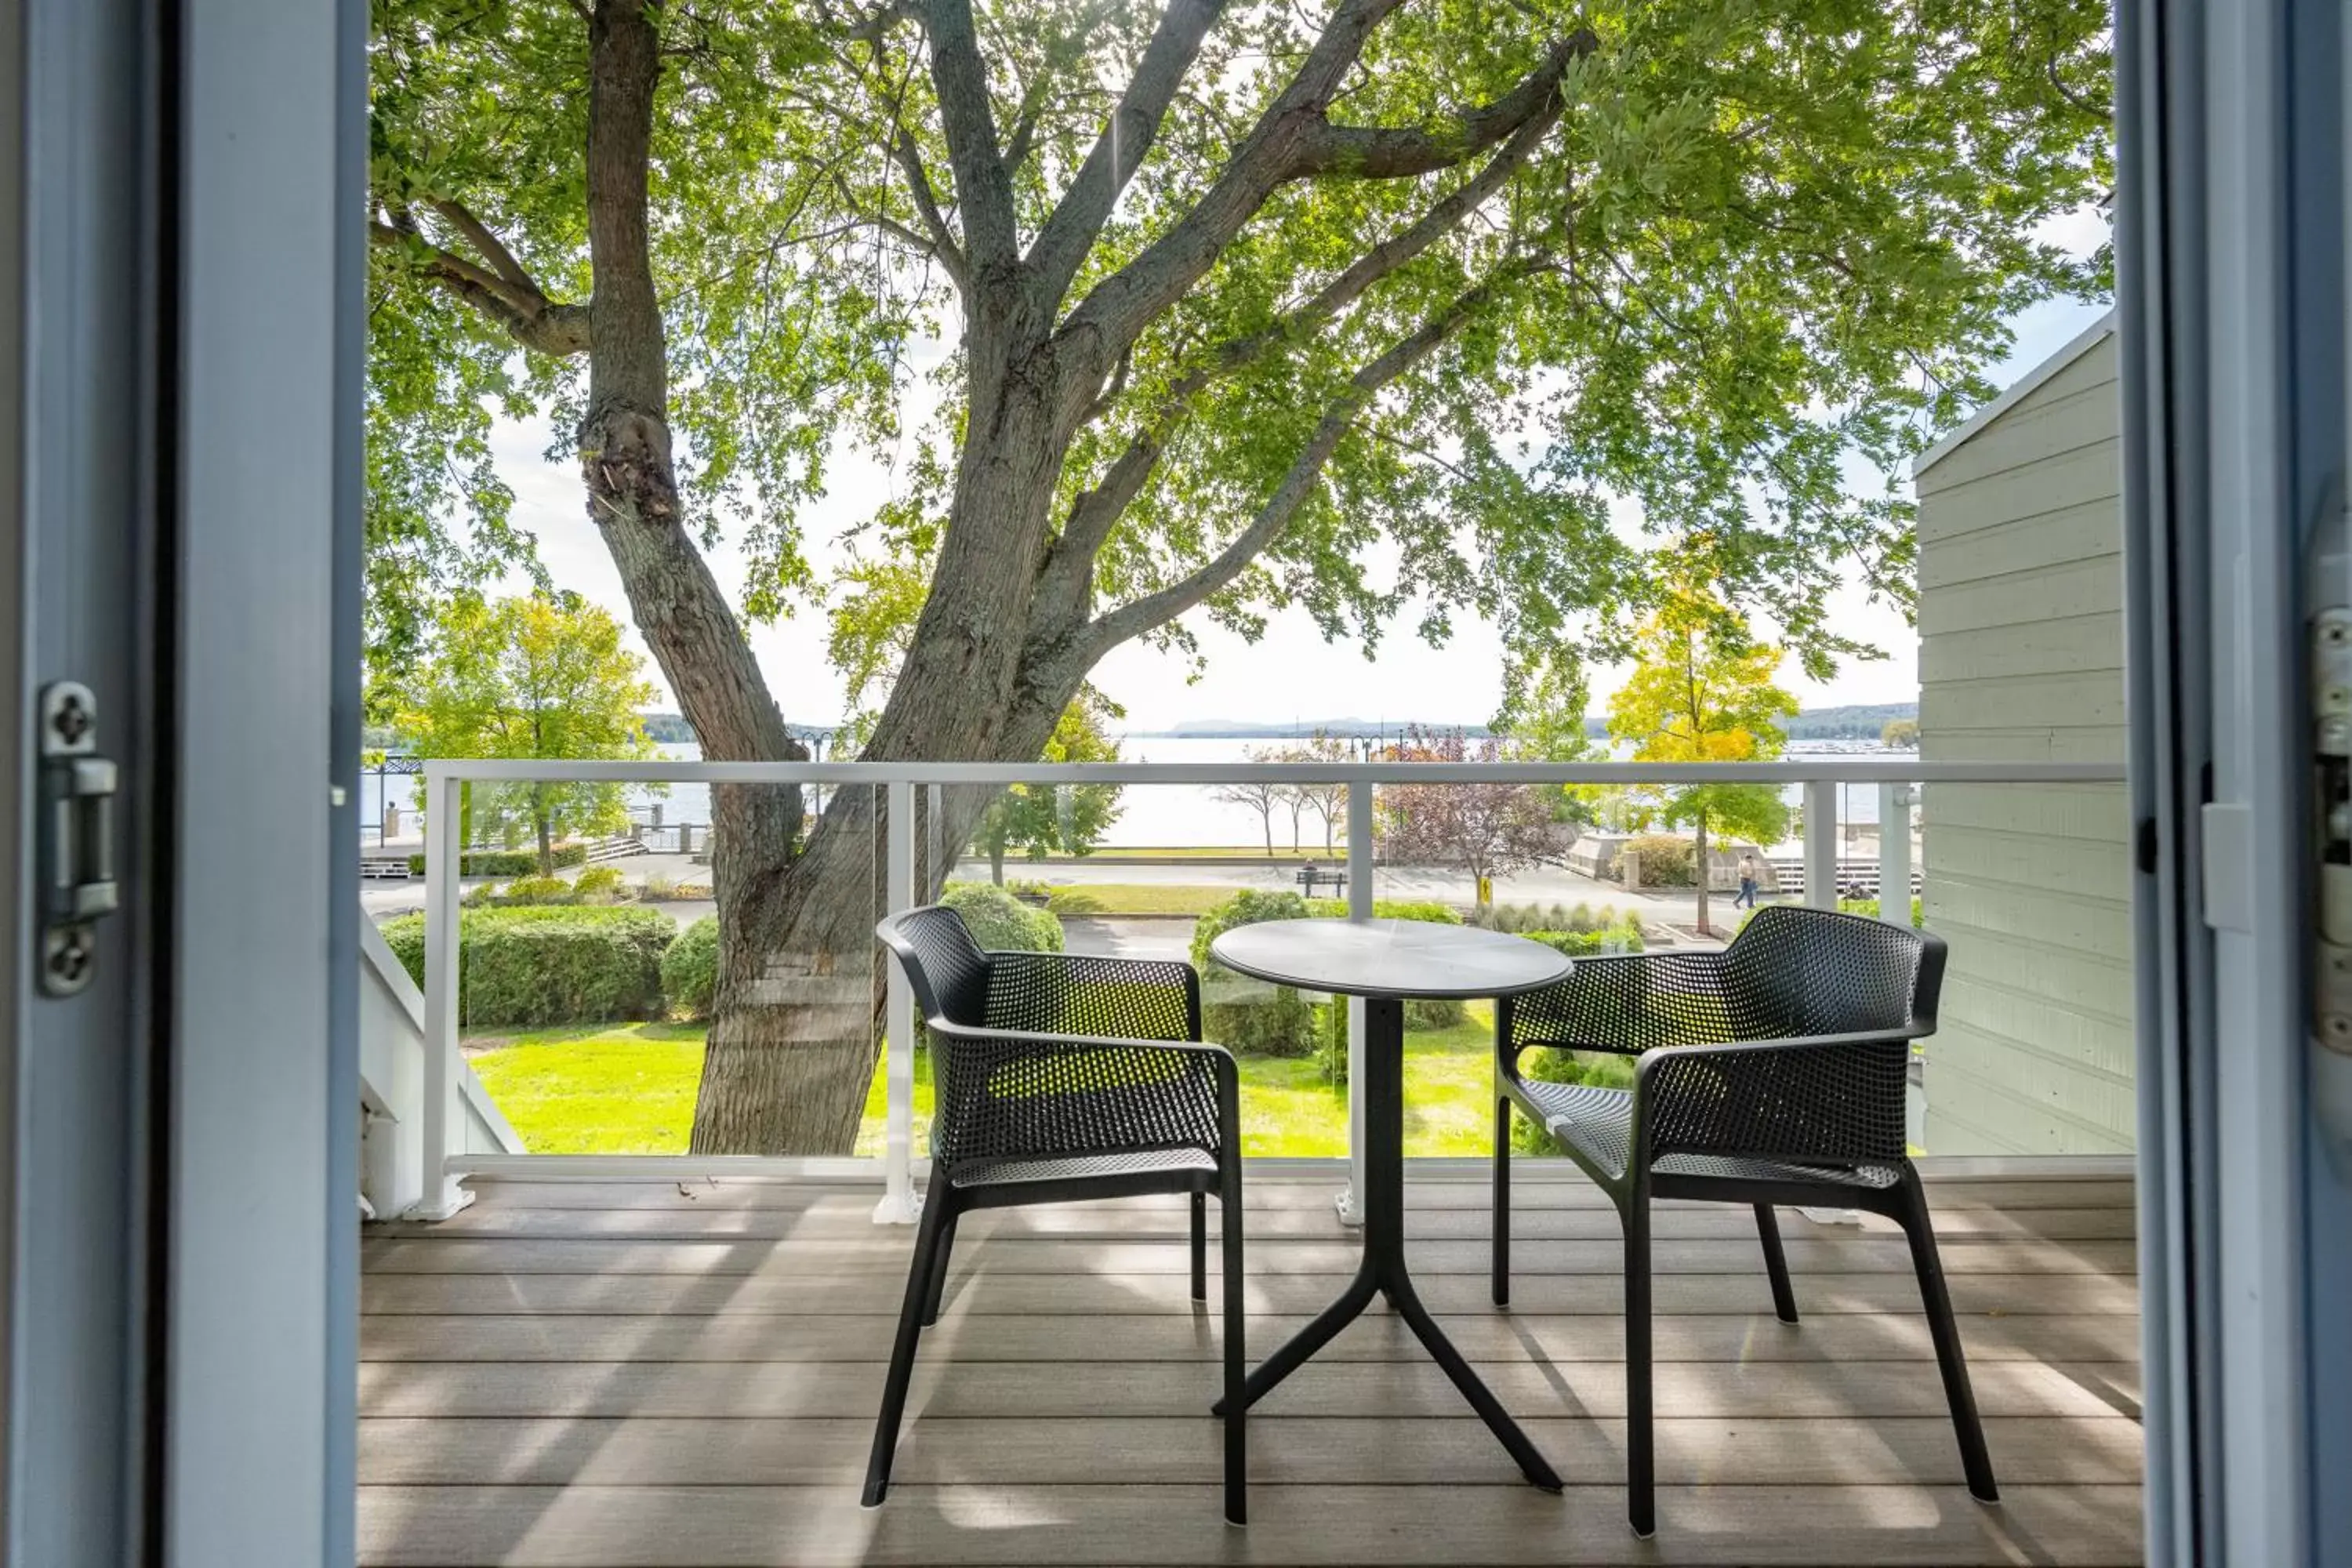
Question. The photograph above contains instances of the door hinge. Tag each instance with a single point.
(76, 837)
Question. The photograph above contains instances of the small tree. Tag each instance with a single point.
(1703, 692)
(1488, 829)
(1900, 735)
(1040, 820)
(1326, 798)
(1259, 795)
(1542, 720)
(541, 677)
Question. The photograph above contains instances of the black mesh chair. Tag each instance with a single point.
(1771, 1072)
(1059, 1076)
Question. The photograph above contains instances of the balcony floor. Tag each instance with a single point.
(646, 1374)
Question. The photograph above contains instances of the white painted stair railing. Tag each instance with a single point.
(392, 1087)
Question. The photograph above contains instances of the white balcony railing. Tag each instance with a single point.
(442, 1113)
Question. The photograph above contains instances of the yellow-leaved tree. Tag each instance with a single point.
(1703, 692)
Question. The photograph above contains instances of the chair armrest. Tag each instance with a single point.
(1082, 995)
(1627, 1002)
(1004, 1093)
(1825, 1099)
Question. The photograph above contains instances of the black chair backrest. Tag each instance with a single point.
(945, 967)
(1794, 972)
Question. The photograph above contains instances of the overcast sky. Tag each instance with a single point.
(1290, 674)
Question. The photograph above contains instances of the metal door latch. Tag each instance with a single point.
(76, 837)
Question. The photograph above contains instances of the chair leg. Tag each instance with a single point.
(1200, 1247)
(1502, 1201)
(1776, 1264)
(1976, 1462)
(942, 1251)
(927, 1261)
(1236, 1349)
(1640, 1481)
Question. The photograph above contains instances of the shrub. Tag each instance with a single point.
(536, 966)
(1280, 1025)
(1603, 1069)
(689, 968)
(505, 862)
(1284, 1024)
(1668, 860)
(1624, 937)
(1000, 923)
(1869, 907)
(537, 891)
(598, 882)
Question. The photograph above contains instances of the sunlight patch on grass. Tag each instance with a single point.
(629, 1089)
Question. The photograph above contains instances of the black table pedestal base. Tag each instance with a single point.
(1383, 1272)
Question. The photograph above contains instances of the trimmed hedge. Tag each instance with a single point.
(1668, 860)
(999, 922)
(1284, 1024)
(527, 968)
(507, 862)
(689, 968)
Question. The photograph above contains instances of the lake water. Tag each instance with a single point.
(1157, 815)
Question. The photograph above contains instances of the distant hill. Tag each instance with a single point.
(1854, 722)
(672, 729)
(1236, 729)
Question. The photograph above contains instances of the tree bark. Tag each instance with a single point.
(539, 816)
(1699, 855)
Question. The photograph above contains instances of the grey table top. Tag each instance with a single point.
(1389, 958)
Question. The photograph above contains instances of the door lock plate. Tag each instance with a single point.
(78, 886)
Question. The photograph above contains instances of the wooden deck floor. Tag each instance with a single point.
(606, 1375)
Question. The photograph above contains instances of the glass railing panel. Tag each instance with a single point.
(590, 971)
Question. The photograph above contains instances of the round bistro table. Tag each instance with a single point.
(1387, 962)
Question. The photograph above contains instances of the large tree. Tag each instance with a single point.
(1236, 294)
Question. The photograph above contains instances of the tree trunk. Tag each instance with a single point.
(546, 838)
(996, 864)
(1699, 856)
(1265, 820)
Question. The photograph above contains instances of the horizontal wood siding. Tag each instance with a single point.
(2020, 573)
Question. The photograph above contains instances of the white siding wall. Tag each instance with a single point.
(2021, 625)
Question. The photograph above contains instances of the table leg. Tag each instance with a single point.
(1383, 1271)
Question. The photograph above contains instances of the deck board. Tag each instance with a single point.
(587, 1374)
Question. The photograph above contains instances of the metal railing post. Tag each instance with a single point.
(899, 1206)
(1359, 908)
(444, 811)
(1895, 853)
(1820, 843)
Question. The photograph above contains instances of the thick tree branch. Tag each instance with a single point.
(1097, 510)
(488, 245)
(1370, 152)
(534, 322)
(1293, 140)
(1140, 615)
(927, 207)
(1125, 141)
(983, 188)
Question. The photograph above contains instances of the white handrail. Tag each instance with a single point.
(444, 779)
(1828, 769)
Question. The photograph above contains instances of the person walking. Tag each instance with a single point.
(1747, 898)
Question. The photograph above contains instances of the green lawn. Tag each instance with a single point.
(628, 1089)
(1135, 899)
